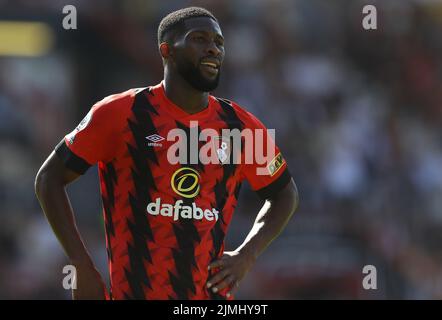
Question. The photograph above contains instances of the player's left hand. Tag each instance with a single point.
(230, 270)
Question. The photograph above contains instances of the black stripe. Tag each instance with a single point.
(232, 121)
(186, 234)
(273, 188)
(110, 181)
(70, 159)
(142, 177)
(108, 197)
(197, 166)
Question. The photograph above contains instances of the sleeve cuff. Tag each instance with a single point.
(70, 159)
(273, 188)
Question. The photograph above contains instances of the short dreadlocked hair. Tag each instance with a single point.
(174, 20)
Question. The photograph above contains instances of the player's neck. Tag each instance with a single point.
(184, 95)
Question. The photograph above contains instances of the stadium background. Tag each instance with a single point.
(358, 115)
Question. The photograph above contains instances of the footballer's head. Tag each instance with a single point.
(191, 43)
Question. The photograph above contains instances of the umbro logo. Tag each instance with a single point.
(155, 138)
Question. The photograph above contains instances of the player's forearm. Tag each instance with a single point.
(270, 221)
(57, 208)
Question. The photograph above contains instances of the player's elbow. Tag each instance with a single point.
(291, 197)
(287, 199)
(294, 196)
(40, 182)
(45, 179)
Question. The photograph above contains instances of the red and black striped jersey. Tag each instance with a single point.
(165, 221)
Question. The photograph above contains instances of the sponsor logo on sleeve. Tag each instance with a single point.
(275, 164)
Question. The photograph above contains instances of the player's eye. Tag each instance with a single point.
(199, 39)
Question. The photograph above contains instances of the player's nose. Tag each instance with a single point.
(213, 50)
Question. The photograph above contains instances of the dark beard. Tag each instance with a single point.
(194, 77)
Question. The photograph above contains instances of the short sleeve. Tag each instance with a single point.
(266, 170)
(93, 140)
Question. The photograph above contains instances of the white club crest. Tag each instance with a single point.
(223, 152)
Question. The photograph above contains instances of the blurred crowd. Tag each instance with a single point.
(357, 114)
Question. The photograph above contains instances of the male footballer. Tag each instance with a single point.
(166, 220)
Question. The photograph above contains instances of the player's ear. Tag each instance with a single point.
(164, 50)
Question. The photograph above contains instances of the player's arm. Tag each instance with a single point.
(269, 223)
(50, 188)
(271, 220)
(274, 184)
(91, 142)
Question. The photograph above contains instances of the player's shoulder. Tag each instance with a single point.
(118, 105)
(120, 99)
(230, 105)
(247, 117)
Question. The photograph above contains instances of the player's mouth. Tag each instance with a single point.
(210, 67)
